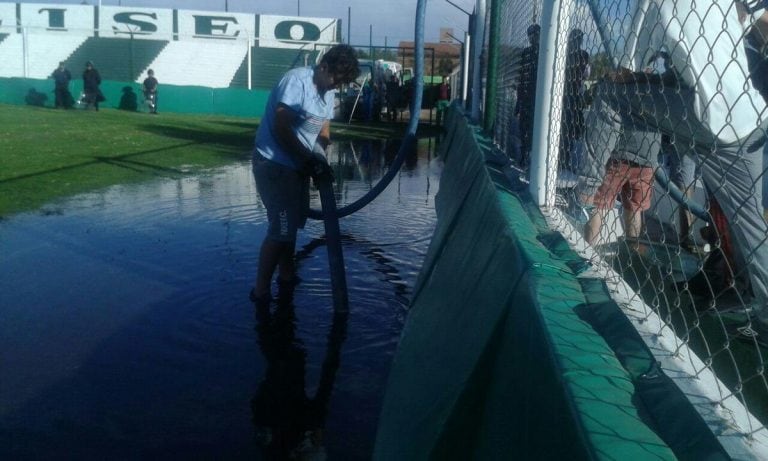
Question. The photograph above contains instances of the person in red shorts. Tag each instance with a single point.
(629, 175)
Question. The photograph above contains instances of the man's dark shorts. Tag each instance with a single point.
(285, 194)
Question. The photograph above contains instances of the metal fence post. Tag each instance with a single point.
(546, 122)
(492, 84)
(465, 70)
(479, 36)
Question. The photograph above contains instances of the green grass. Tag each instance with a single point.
(48, 154)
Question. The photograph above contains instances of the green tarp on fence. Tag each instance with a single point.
(495, 360)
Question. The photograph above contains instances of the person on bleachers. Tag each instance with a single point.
(91, 91)
(150, 91)
(62, 96)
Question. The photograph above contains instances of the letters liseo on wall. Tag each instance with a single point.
(166, 24)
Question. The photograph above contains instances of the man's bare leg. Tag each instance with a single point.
(270, 256)
(592, 228)
(633, 223)
(633, 226)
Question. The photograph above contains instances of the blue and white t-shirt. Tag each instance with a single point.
(297, 91)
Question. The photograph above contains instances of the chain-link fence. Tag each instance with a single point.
(518, 59)
(640, 125)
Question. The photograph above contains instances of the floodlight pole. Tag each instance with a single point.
(250, 62)
(466, 49)
(460, 8)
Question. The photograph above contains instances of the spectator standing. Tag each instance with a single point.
(294, 130)
(150, 91)
(394, 95)
(526, 92)
(572, 122)
(62, 96)
(682, 173)
(91, 83)
(443, 98)
(681, 162)
(628, 174)
(368, 99)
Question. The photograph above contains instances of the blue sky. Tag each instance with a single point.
(392, 20)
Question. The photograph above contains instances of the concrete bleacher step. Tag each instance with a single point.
(115, 58)
(201, 63)
(215, 64)
(43, 54)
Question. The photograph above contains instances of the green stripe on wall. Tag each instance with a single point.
(181, 99)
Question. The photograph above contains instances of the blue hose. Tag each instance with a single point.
(324, 182)
(678, 196)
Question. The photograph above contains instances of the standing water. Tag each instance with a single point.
(126, 330)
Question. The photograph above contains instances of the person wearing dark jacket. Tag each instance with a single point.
(91, 90)
(61, 78)
(150, 91)
(526, 93)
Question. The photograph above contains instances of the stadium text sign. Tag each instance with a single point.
(166, 24)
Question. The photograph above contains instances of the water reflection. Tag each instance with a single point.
(290, 424)
(368, 160)
(375, 253)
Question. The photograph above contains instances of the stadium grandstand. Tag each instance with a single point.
(197, 56)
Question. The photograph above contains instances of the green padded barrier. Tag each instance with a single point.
(494, 361)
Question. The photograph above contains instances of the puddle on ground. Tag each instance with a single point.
(126, 330)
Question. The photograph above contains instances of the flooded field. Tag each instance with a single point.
(126, 330)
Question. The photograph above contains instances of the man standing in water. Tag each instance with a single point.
(294, 130)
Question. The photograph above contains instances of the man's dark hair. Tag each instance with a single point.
(342, 63)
